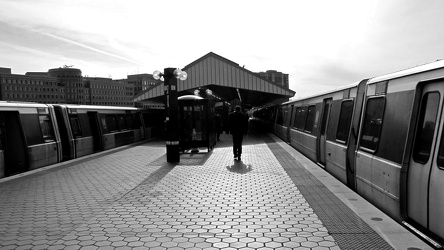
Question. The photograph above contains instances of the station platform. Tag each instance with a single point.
(131, 198)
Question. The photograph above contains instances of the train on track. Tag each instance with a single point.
(36, 135)
(383, 137)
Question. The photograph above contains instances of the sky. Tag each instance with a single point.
(321, 44)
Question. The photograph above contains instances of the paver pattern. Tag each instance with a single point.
(133, 199)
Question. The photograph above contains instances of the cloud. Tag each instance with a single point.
(321, 44)
(92, 48)
(27, 49)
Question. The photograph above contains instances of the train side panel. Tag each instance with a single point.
(42, 155)
(35, 135)
(304, 143)
(383, 144)
(152, 123)
(389, 147)
(281, 131)
(2, 163)
(28, 137)
(84, 146)
(40, 138)
(338, 127)
(336, 160)
(113, 140)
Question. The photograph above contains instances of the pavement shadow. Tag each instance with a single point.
(160, 173)
(240, 167)
(187, 159)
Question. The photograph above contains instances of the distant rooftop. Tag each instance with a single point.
(5, 71)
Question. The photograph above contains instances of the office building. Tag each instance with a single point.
(35, 87)
(141, 82)
(109, 92)
(72, 81)
(275, 77)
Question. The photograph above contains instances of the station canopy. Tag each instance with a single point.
(227, 81)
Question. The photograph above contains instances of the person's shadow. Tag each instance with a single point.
(239, 167)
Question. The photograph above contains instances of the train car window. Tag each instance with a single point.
(32, 130)
(103, 123)
(371, 130)
(136, 121)
(121, 121)
(147, 120)
(296, 119)
(291, 110)
(302, 118)
(394, 132)
(426, 127)
(440, 159)
(324, 117)
(85, 125)
(345, 117)
(46, 128)
(280, 117)
(129, 121)
(111, 122)
(311, 114)
(75, 125)
(286, 115)
(301, 114)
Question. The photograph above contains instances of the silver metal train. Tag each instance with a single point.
(383, 137)
(36, 135)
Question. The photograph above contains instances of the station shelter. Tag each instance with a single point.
(197, 123)
(225, 83)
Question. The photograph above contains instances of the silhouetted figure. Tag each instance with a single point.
(238, 127)
(219, 125)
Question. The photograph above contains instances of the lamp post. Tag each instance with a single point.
(170, 76)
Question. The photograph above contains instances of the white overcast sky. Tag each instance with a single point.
(321, 44)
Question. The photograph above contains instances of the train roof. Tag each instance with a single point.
(411, 71)
(406, 72)
(22, 104)
(79, 106)
(348, 86)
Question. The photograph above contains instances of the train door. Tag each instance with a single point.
(322, 139)
(289, 122)
(95, 130)
(13, 142)
(425, 180)
(138, 120)
(66, 137)
(57, 136)
(353, 135)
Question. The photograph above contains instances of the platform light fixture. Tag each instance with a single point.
(170, 76)
(178, 73)
(158, 75)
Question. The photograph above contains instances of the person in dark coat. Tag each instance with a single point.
(238, 127)
(219, 125)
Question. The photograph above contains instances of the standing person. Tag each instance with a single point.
(219, 126)
(238, 126)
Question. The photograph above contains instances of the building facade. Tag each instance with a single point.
(141, 82)
(30, 88)
(275, 77)
(71, 80)
(66, 85)
(106, 91)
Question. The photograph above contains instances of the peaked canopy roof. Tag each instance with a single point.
(226, 79)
